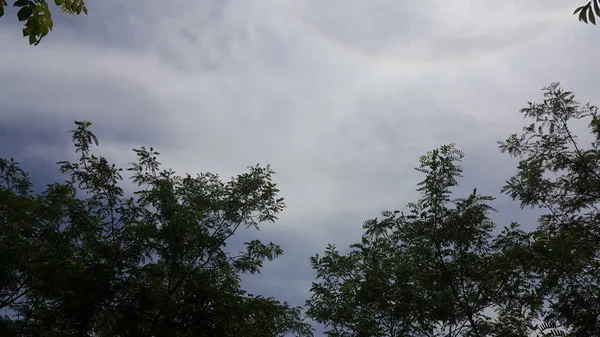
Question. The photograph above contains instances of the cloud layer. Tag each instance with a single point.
(341, 97)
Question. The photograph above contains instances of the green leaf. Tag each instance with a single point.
(583, 15)
(84, 10)
(33, 40)
(21, 3)
(592, 17)
(47, 14)
(24, 13)
(59, 2)
(597, 7)
(44, 29)
(49, 23)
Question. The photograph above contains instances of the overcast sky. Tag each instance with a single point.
(341, 97)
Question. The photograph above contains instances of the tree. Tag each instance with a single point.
(38, 17)
(559, 175)
(81, 259)
(438, 271)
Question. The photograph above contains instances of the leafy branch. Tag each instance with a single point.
(589, 11)
(38, 18)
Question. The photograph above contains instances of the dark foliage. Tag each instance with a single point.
(81, 259)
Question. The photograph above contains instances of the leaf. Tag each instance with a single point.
(592, 17)
(583, 15)
(21, 3)
(597, 7)
(45, 29)
(24, 13)
(59, 2)
(33, 40)
(48, 17)
(84, 9)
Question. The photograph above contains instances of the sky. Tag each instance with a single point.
(341, 97)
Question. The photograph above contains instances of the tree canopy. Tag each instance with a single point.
(558, 174)
(434, 271)
(444, 269)
(86, 258)
(82, 258)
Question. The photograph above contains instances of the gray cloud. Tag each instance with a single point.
(340, 97)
